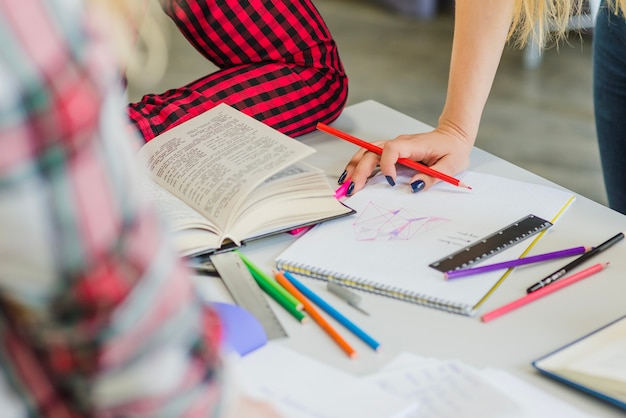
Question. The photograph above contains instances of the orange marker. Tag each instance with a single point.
(308, 307)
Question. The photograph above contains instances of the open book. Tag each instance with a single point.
(595, 363)
(223, 178)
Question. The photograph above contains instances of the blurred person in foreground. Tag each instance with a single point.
(99, 316)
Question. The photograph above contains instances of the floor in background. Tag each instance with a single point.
(541, 120)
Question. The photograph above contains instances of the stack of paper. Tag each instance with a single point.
(301, 387)
(452, 389)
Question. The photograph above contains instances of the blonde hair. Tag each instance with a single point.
(137, 37)
(548, 20)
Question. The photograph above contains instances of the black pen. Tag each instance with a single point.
(564, 270)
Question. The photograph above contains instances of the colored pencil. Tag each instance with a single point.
(310, 309)
(404, 161)
(569, 267)
(260, 275)
(453, 274)
(524, 300)
(332, 311)
(279, 297)
(275, 291)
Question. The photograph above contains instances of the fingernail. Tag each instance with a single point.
(350, 189)
(390, 180)
(342, 177)
(417, 185)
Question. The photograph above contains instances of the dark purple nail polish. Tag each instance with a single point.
(417, 185)
(342, 177)
(350, 189)
(390, 180)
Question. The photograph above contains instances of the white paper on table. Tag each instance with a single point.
(301, 387)
(542, 404)
(451, 388)
(447, 389)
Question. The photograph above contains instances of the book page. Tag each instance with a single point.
(192, 232)
(295, 195)
(213, 161)
(178, 215)
(597, 361)
(388, 245)
(606, 361)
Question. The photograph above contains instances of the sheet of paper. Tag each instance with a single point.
(542, 405)
(447, 389)
(301, 387)
(396, 234)
(452, 388)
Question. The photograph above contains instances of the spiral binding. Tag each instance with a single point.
(372, 287)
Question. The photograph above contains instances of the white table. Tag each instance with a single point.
(510, 342)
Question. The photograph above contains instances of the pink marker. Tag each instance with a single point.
(343, 189)
(339, 193)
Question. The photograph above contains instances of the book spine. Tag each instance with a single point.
(389, 291)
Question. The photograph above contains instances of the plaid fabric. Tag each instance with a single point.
(98, 315)
(277, 63)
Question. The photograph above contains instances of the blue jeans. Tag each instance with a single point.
(609, 91)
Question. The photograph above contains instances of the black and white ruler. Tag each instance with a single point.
(493, 244)
(246, 292)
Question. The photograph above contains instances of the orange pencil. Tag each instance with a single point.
(308, 307)
(404, 161)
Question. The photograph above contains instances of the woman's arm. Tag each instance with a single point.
(480, 33)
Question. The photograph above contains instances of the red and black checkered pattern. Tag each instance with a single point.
(277, 63)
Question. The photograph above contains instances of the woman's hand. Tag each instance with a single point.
(444, 149)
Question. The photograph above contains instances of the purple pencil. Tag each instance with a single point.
(453, 274)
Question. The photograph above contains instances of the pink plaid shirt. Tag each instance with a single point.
(99, 317)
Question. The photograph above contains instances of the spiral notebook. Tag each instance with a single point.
(386, 248)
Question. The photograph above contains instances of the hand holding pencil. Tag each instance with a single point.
(438, 152)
